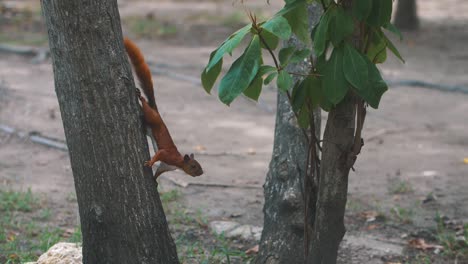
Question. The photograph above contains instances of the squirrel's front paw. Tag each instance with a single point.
(148, 163)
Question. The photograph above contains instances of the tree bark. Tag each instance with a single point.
(121, 215)
(337, 159)
(283, 230)
(406, 16)
(329, 226)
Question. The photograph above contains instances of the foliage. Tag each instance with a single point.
(337, 66)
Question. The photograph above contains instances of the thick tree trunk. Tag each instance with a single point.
(406, 16)
(283, 230)
(122, 219)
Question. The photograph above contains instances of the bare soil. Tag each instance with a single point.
(414, 144)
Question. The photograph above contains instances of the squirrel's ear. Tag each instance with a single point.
(191, 156)
(186, 158)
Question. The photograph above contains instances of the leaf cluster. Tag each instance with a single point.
(347, 43)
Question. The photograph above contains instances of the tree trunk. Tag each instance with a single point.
(406, 16)
(337, 158)
(283, 229)
(329, 226)
(121, 215)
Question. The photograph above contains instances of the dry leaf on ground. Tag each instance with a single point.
(420, 243)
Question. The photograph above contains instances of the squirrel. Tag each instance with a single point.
(167, 152)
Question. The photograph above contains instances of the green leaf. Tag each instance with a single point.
(303, 117)
(241, 73)
(284, 80)
(361, 9)
(209, 77)
(393, 49)
(270, 77)
(264, 69)
(381, 57)
(312, 33)
(284, 55)
(355, 67)
(390, 27)
(320, 36)
(255, 88)
(377, 51)
(270, 39)
(310, 87)
(376, 86)
(314, 86)
(299, 95)
(334, 81)
(228, 46)
(298, 20)
(290, 6)
(299, 55)
(381, 13)
(279, 27)
(341, 26)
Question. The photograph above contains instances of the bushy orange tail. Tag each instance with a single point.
(142, 70)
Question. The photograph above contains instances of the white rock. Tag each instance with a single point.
(234, 229)
(62, 253)
(220, 227)
(243, 231)
(257, 232)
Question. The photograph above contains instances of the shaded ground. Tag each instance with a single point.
(414, 151)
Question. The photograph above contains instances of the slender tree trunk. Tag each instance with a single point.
(406, 16)
(121, 215)
(337, 159)
(283, 230)
(329, 226)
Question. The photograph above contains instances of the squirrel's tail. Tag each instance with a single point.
(142, 70)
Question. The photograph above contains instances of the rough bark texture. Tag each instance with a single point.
(122, 219)
(406, 16)
(283, 230)
(338, 139)
(337, 146)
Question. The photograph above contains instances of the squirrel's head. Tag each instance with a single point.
(191, 166)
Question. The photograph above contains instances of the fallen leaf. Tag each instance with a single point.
(465, 160)
(11, 238)
(252, 250)
(372, 227)
(13, 256)
(370, 216)
(419, 243)
(68, 232)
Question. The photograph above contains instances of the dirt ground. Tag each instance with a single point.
(411, 167)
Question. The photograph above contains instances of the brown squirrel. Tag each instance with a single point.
(167, 151)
